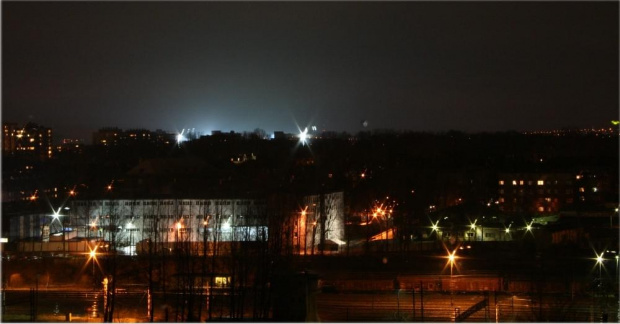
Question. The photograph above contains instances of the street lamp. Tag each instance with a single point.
(451, 258)
(93, 227)
(56, 216)
(435, 226)
(92, 256)
(599, 262)
(472, 227)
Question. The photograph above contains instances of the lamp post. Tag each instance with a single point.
(451, 257)
(93, 259)
(56, 216)
(616, 267)
(599, 262)
(473, 228)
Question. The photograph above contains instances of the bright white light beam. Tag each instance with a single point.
(303, 136)
(181, 138)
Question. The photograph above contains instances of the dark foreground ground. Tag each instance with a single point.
(79, 305)
(508, 283)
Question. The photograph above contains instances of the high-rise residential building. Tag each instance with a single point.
(109, 136)
(70, 145)
(9, 137)
(537, 193)
(31, 139)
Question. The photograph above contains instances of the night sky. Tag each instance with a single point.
(421, 66)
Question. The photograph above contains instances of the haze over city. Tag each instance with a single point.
(421, 66)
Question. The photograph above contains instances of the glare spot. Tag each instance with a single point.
(303, 136)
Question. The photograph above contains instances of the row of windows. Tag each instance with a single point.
(183, 230)
(531, 182)
(555, 200)
(471, 234)
(166, 203)
(152, 216)
(539, 191)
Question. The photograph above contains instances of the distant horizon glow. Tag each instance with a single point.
(344, 67)
(60, 134)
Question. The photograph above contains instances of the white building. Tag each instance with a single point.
(127, 222)
(130, 223)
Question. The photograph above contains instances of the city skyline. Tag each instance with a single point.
(415, 66)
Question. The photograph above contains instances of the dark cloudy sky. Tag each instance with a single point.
(428, 66)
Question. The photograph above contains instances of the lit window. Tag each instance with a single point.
(595, 189)
(514, 182)
(501, 182)
(222, 281)
(541, 209)
(541, 182)
(582, 189)
(521, 182)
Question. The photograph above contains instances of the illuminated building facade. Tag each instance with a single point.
(319, 227)
(109, 136)
(29, 140)
(132, 223)
(128, 222)
(535, 193)
(70, 145)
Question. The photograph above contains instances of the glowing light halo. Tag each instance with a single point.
(180, 137)
(303, 136)
(450, 258)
